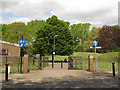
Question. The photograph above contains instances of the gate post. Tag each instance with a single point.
(90, 63)
(25, 67)
(37, 61)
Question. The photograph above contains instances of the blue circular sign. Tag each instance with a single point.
(22, 43)
(95, 43)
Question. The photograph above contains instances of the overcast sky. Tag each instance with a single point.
(96, 12)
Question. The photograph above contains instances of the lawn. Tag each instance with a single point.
(104, 61)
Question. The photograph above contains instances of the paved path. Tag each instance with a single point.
(61, 78)
(57, 67)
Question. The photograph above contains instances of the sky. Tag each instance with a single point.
(96, 12)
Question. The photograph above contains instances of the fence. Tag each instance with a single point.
(76, 63)
(105, 65)
(31, 63)
(80, 64)
(41, 64)
(14, 63)
(45, 62)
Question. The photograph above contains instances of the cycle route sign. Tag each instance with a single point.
(22, 43)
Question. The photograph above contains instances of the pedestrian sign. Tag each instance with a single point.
(22, 43)
(95, 43)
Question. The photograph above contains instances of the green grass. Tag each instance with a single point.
(58, 57)
(104, 61)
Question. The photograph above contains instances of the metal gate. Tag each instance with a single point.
(76, 63)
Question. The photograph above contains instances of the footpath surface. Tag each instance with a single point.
(61, 78)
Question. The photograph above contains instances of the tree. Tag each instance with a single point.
(91, 36)
(4, 28)
(35, 25)
(44, 41)
(109, 38)
(14, 32)
(80, 31)
(93, 33)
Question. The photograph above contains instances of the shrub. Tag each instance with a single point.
(117, 49)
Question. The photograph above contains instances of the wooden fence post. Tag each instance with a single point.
(90, 63)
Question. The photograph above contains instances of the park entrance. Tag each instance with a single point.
(70, 63)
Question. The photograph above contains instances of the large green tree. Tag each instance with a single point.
(44, 42)
(80, 32)
(14, 32)
(35, 25)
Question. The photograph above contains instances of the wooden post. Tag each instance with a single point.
(25, 67)
(90, 63)
(37, 62)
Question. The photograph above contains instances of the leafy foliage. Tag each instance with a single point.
(44, 41)
(93, 33)
(35, 25)
(14, 31)
(80, 31)
(91, 36)
(79, 48)
(109, 38)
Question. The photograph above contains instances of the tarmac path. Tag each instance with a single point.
(61, 78)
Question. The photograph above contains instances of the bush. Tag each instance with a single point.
(117, 49)
(79, 48)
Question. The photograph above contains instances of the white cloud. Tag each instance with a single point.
(21, 19)
(94, 11)
(1, 21)
(53, 13)
(14, 19)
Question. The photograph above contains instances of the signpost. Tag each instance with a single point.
(95, 43)
(21, 44)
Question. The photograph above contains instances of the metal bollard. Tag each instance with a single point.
(6, 73)
(113, 68)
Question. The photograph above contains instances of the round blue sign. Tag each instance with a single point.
(95, 43)
(22, 43)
